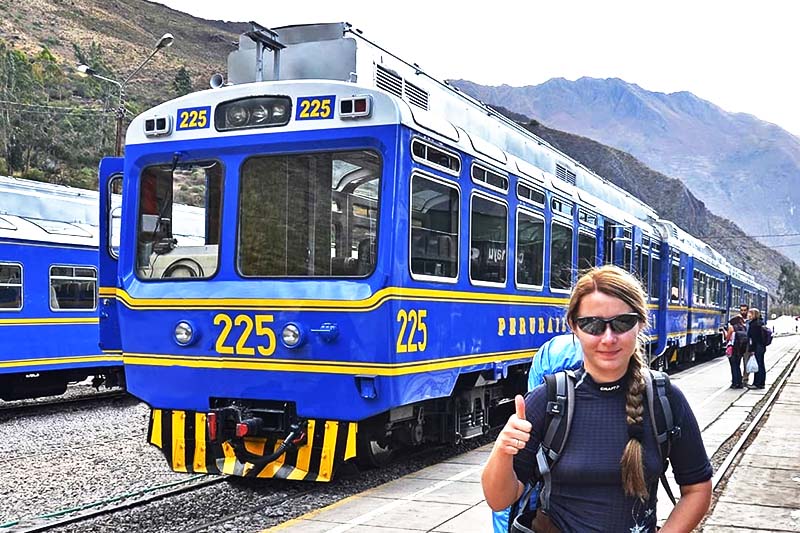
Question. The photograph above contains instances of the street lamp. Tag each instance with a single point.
(165, 41)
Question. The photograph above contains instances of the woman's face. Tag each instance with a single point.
(749, 315)
(606, 355)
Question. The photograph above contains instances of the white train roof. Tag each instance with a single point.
(44, 212)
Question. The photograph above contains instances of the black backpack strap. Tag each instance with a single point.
(558, 419)
(663, 423)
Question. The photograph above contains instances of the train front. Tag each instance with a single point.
(250, 283)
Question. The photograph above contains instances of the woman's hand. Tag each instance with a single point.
(517, 431)
(501, 487)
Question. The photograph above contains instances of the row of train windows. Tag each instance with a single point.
(435, 235)
(751, 299)
(70, 287)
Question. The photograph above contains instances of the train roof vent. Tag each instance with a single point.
(389, 81)
(564, 174)
(416, 95)
(674, 230)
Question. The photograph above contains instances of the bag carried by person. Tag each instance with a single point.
(729, 350)
(766, 335)
(557, 422)
(740, 340)
(752, 365)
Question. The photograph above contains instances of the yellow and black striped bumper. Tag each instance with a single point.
(182, 437)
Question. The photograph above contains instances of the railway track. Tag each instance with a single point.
(28, 407)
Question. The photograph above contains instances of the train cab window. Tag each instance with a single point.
(434, 228)
(10, 287)
(674, 283)
(587, 244)
(114, 215)
(309, 215)
(560, 256)
(179, 220)
(73, 288)
(488, 240)
(530, 249)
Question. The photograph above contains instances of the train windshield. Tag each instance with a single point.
(179, 221)
(309, 215)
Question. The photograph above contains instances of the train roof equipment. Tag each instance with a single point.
(295, 52)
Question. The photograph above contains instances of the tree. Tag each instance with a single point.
(182, 84)
(789, 284)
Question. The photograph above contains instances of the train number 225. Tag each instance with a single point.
(414, 320)
(257, 323)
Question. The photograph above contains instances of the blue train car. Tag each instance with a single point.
(332, 268)
(48, 291)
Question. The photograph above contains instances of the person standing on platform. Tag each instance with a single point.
(757, 346)
(607, 477)
(736, 336)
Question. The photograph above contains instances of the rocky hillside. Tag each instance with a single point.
(740, 167)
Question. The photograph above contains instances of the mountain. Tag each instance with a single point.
(740, 167)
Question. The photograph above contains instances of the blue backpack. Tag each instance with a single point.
(560, 406)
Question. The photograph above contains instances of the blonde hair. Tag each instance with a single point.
(756, 313)
(615, 282)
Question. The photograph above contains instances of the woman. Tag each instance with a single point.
(756, 337)
(736, 326)
(607, 477)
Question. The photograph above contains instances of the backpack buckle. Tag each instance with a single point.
(556, 407)
(675, 432)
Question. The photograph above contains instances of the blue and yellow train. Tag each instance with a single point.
(333, 254)
(48, 291)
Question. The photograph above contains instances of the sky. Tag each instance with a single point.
(740, 55)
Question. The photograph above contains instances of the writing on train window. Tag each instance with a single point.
(587, 250)
(309, 215)
(655, 277)
(489, 177)
(674, 284)
(560, 256)
(530, 249)
(488, 231)
(10, 287)
(530, 195)
(179, 220)
(430, 155)
(434, 228)
(73, 287)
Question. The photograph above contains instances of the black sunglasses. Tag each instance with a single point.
(594, 325)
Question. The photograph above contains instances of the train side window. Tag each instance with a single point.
(114, 215)
(655, 276)
(488, 240)
(587, 250)
(290, 204)
(674, 283)
(560, 256)
(530, 249)
(434, 228)
(179, 220)
(646, 272)
(73, 288)
(10, 286)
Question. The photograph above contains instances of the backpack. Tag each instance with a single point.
(766, 335)
(558, 419)
(740, 340)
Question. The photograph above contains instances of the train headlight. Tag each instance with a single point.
(253, 112)
(184, 333)
(291, 336)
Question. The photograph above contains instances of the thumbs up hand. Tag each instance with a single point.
(517, 431)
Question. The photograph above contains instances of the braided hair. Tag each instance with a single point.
(617, 283)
